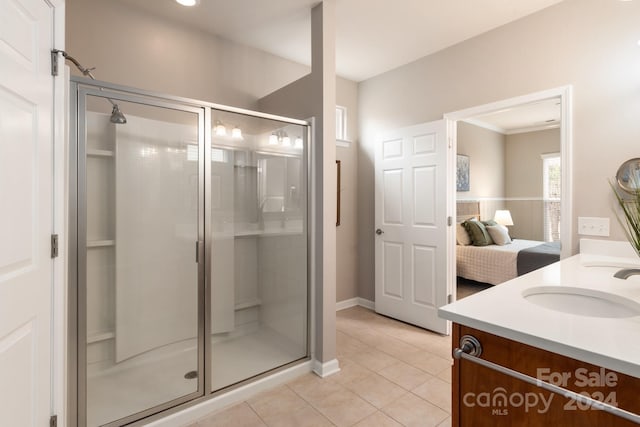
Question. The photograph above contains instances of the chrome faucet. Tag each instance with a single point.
(626, 273)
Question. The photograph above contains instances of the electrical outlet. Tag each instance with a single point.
(593, 226)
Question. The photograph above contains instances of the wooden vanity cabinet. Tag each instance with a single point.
(485, 397)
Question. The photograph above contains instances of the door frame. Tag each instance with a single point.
(78, 248)
(564, 93)
(59, 221)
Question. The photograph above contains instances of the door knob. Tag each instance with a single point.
(379, 231)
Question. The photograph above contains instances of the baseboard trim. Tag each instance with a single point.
(323, 370)
(371, 305)
(353, 302)
(201, 410)
(348, 303)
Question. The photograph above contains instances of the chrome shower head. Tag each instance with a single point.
(116, 116)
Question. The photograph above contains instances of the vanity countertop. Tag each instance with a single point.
(502, 310)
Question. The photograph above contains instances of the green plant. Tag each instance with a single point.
(629, 203)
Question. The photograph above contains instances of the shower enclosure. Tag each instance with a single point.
(190, 236)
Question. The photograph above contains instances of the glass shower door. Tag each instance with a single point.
(259, 269)
(140, 292)
(190, 228)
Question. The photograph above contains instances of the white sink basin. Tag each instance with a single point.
(581, 301)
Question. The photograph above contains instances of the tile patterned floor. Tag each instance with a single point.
(392, 374)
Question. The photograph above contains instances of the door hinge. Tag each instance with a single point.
(53, 421)
(54, 245)
(54, 62)
(449, 221)
(449, 299)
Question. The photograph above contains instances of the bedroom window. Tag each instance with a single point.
(551, 196)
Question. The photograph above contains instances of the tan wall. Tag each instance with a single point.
(486, 152)
(524, 180)
(347, 232)
(523, 153)
(590, 44)
(137, 49)
(292, 100)
(280, 102)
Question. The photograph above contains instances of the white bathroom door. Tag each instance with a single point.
(26, 212)
(411, 225)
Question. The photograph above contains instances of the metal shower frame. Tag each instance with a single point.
(80, 88)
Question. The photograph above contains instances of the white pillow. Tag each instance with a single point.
(499, 234)
(462, 237)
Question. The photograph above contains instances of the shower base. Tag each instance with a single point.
(158, 376)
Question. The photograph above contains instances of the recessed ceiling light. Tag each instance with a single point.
(188, 2)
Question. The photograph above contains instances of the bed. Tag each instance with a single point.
(495, 264)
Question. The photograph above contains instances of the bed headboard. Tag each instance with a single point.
(467, 209)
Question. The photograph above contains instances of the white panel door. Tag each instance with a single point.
(411, 225)
(26, 144)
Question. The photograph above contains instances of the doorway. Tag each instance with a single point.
(536, 211)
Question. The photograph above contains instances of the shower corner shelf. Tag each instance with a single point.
(100, 243)
(100, 153)
(248, 304)
(100, 336)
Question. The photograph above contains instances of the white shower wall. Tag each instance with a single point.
(247, 258)
(156, 232)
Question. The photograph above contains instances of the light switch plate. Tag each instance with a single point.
(593, 226)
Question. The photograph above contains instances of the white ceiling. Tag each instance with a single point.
(523, 118)
(372, 36)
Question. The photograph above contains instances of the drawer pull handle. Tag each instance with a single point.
(470, 349)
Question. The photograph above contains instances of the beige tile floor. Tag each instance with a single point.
(392, 374)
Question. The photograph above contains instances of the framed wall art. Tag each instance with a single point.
(462, 173)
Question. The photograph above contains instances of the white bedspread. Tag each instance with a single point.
(491, 264)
